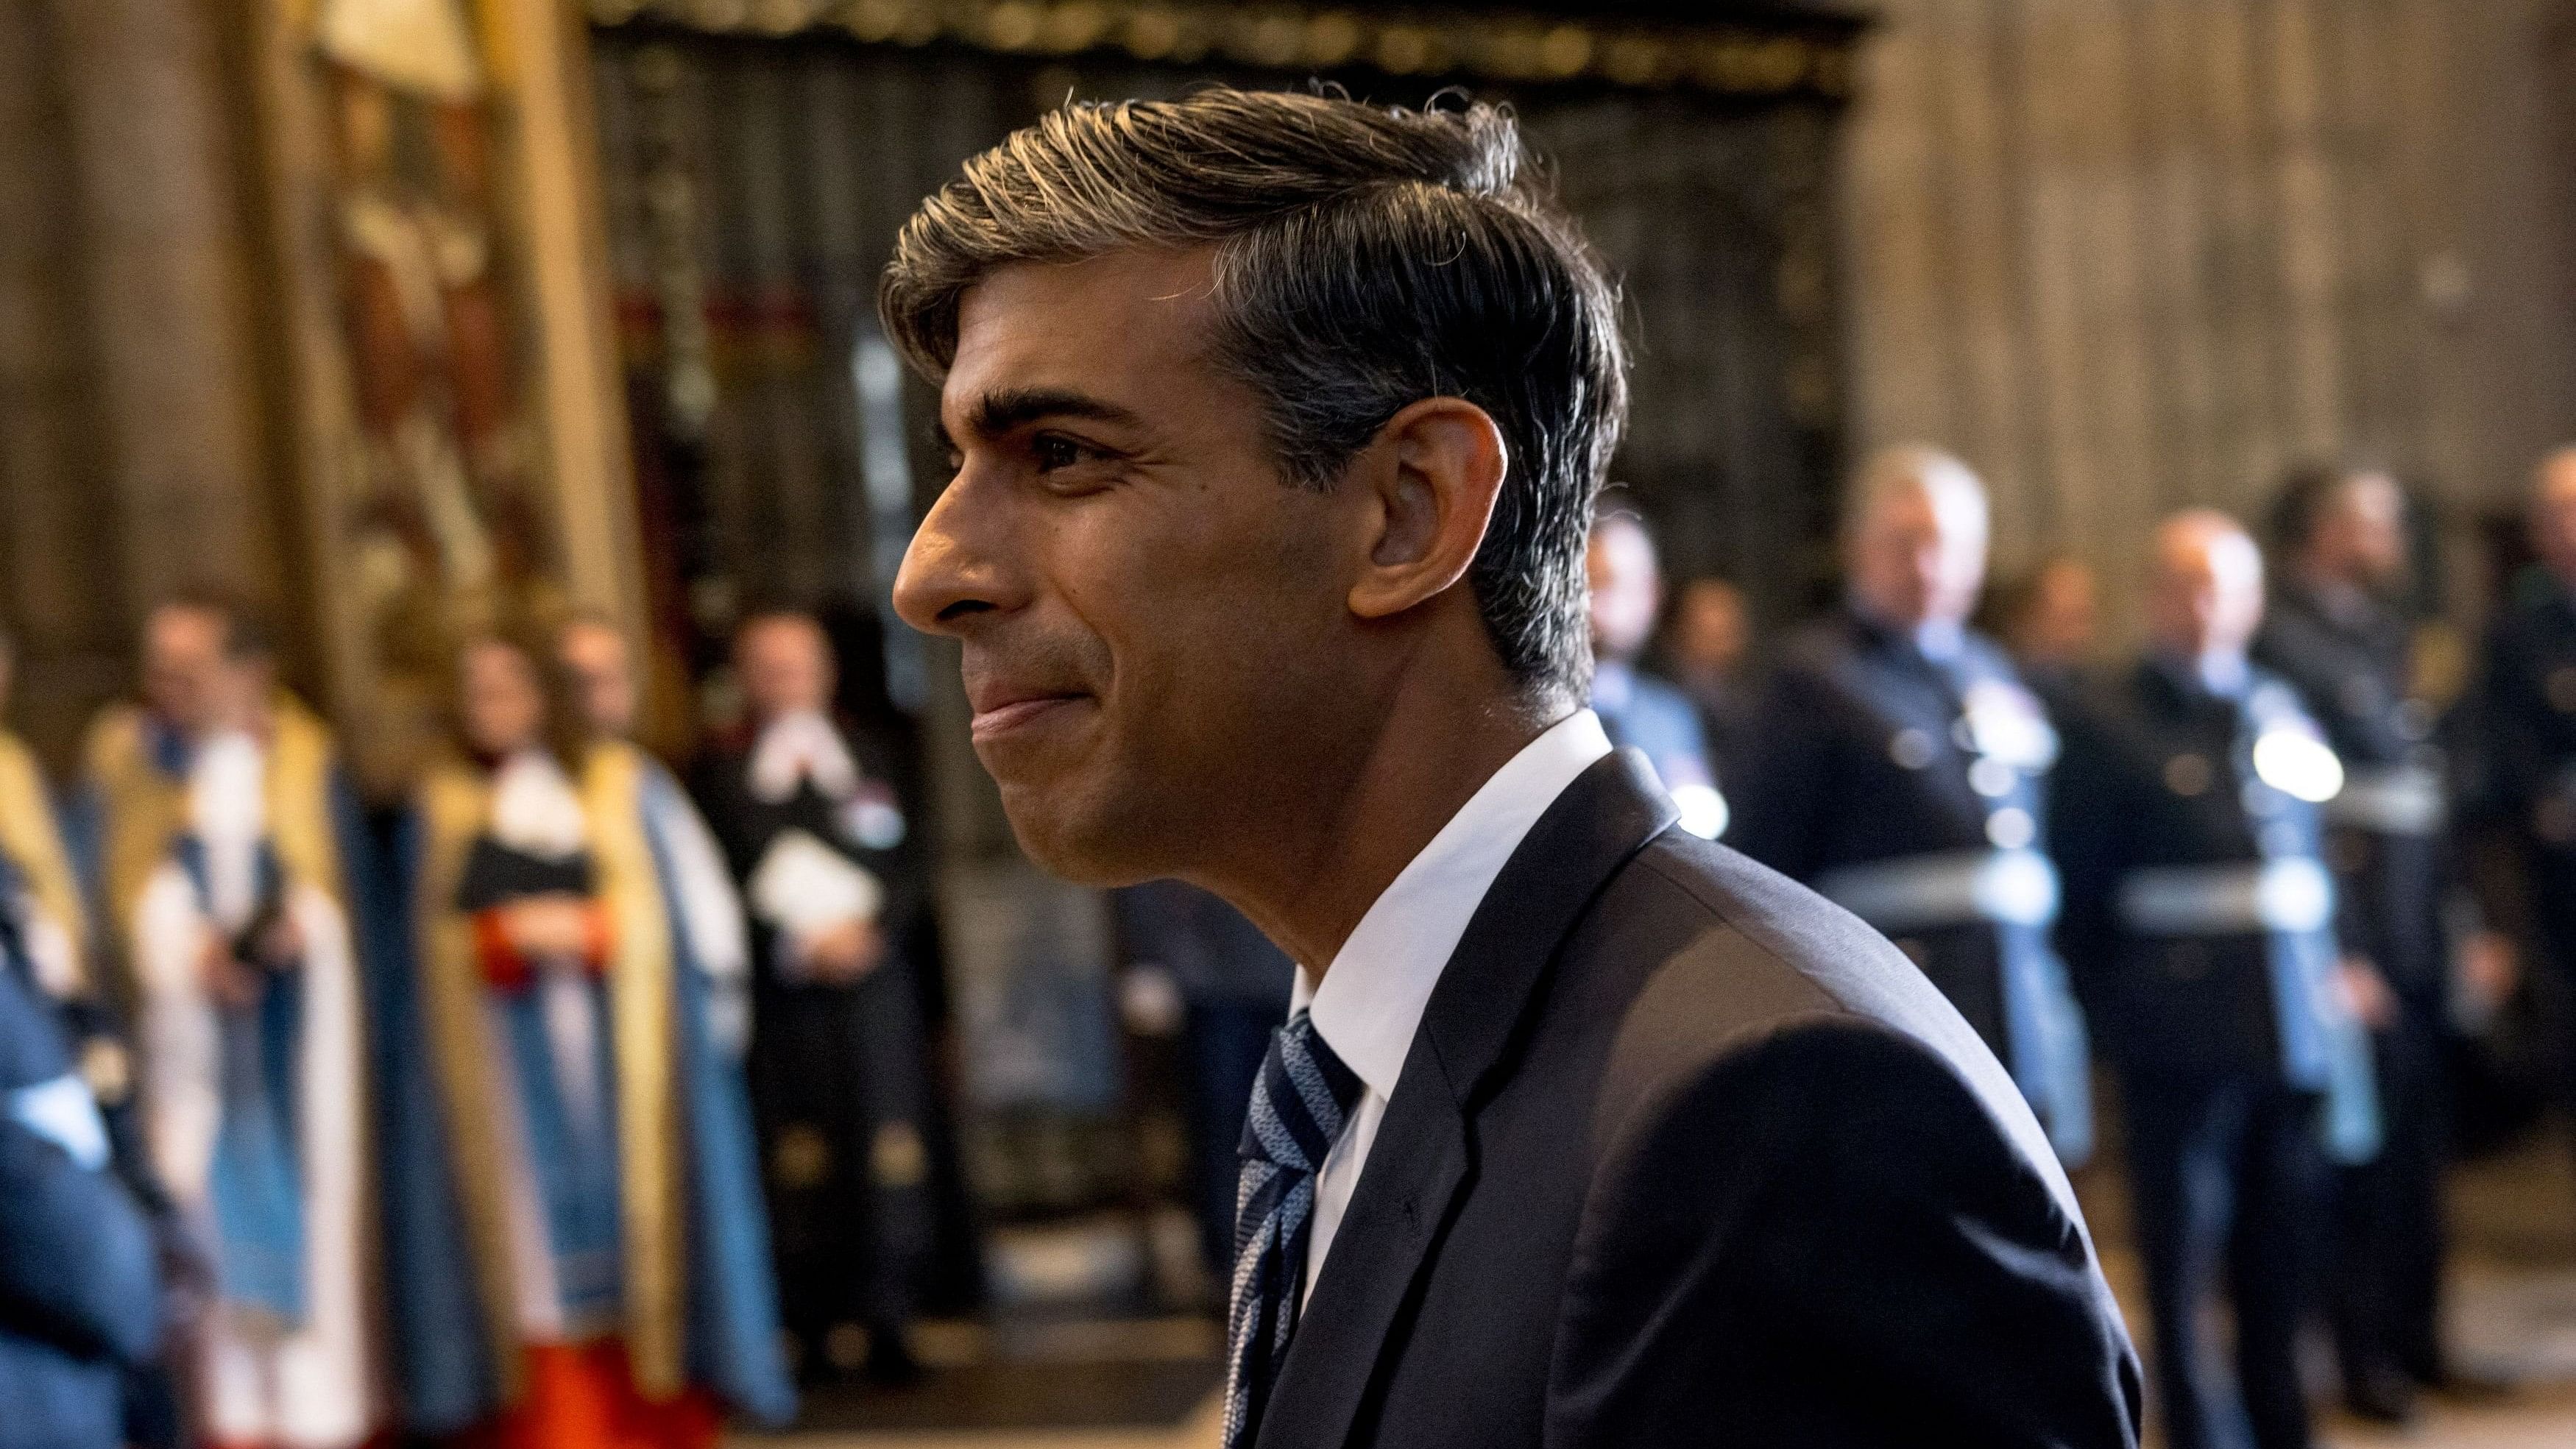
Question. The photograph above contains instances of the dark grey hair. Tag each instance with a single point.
(1366, 257)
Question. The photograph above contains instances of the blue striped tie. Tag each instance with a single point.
(1299, 1106)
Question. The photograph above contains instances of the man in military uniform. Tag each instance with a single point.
(2186, 810)
(1636, 708)
(2333, 634)
(1895, 763)
(837, 893)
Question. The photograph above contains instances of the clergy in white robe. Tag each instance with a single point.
(226, 884)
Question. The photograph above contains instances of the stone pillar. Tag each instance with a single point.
(162, 248)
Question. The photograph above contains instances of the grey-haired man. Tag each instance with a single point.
(1277, 422)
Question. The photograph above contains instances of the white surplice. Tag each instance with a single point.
(311, 1386)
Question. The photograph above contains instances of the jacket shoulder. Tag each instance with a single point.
(1748, 960)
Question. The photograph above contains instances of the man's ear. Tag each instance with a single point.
(1432, 473)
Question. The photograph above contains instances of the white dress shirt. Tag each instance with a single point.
(1372, 997)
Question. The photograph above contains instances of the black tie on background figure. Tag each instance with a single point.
(1299, 1105)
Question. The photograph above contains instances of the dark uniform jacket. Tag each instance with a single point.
(2386, 830)
(2196, 889)
(80, 1294)
(1681, 1155)
(1912, 792)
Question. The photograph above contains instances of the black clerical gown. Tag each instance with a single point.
(839, 1073)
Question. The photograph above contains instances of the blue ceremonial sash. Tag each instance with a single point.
(255, 1182)
(574, 1160)
(2323, 1049)
(2052, 1058)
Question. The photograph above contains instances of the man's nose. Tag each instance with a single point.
(957, 567)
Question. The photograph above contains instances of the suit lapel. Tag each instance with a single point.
(1422, 1159)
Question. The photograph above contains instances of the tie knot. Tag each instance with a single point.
(1301, 1101)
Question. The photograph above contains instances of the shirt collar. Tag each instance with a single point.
(1372, 999)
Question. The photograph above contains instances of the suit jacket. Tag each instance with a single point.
(1683, 1154)
(80, 1293)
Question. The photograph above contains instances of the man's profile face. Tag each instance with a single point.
(785, 665)
(1155, 632)
(183, 668)
(1627, 588)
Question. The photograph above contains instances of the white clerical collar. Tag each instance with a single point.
(228, 813)
(534, 808)
(227, 788)
(801, 745)
(1372, 999)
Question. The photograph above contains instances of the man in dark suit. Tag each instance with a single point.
(1277, 420)
(2188, 828)
(1895, 762)
(2334, 632)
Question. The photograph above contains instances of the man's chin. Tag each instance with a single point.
(1072, 843)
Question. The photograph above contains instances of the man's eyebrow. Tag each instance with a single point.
(996, 413)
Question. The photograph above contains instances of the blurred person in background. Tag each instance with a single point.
(231, 844)
(2522, 752)
(2335, 631)
(1233, 988)
(582, 1260)
(1640, 711)
(2048, 620)
(2187, 823)
(1896, 763)
(593, 653)
(837, 883)
(40, 893)
(45, 932)
(80, 1296)
(1706, 642)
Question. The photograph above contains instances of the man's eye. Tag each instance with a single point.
(1053, 453)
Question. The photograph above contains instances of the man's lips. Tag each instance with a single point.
(1011, 713)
